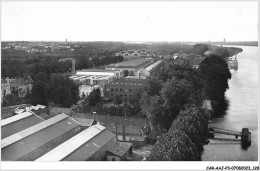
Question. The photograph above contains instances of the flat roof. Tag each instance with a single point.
(34, 141)
(131, 63)
(19, 125)
(66, 148)
(91, 147)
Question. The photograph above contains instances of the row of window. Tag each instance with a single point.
(119, 90)
(124, 98)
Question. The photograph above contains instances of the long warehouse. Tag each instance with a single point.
(33, 142)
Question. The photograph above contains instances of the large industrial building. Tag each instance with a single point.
(90, 144)
(138, 67)
(124, 87)
(31, 143)
(27, 137)
(90, 79)
(133, 54)
(17, 123)
(149, 70)
(131, 66)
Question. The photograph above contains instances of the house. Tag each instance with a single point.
(120, 151)
(5, 88)
(192, 60)
(39, 109)
(20, 86)
(85, 90)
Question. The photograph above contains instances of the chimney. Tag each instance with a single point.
(7, 80)
(73, 67)
(116, 133)
(124, 132)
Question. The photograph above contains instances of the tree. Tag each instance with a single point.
(199, 49)
(176, 93)
(39, 90)
(151, 107)
(126, 72)
(63, 91)
(39, 94)
(117, 100)
(94, 97)
(174, 146)
(153, 86)
(11, 99)
(184, 140)
(216, 74)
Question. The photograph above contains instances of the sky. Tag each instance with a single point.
(129, 20)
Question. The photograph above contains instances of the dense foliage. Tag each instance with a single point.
(184, 140)
(216, 74)
(171, 89)
(59, 90)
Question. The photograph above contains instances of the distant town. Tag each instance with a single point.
(111, 101)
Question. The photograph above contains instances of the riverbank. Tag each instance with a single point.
(242, 112)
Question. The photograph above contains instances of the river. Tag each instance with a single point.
(242, 112)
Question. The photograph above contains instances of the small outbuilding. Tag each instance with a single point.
(120, 151)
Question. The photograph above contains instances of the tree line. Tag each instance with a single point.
(176, 107)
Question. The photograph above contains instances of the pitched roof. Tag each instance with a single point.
(119, 148)
(18, 82)
(131, 63)
(59, 110)
(32, 138)
(18, 123)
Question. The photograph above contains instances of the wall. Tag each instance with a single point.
(100, 155)
(111, 157)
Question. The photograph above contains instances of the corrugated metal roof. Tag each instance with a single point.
(153, 65)
(37, 140)
(19, 125)
(15, 118)
(66, 148)
(22, 134)
(87, 150)
(131, 63)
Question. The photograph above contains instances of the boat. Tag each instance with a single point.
(232, 62)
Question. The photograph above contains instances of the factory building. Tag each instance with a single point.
(33, 142)
(17, 123)
(149, 70)
(89, 145)
(130, 67)
(91, 79)
(139, 68)
(124, 87)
